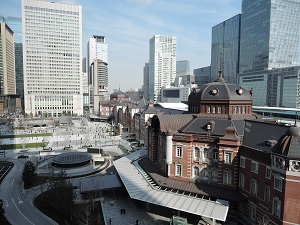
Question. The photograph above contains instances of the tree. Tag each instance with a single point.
(63, 190)
(28, 174)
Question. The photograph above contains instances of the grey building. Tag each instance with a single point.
(269, 34)
(274, 88)
(182, 68)
(226, 40)
(202, 75)
(146, 81)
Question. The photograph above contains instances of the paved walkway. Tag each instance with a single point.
(132, 213)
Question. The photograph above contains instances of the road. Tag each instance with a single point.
(17, 203)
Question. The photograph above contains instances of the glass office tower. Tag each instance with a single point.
(269, 34)
(226, 40)
(52, 53)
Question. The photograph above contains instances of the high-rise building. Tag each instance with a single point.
(52, 53)
(202, 75)
(162, 64)
(269, 34)
(7, 61)
(84, 65)
(97, 48)
(226, 40)
(146, 81)
(182, 68)
(15, 24)
(99, 72)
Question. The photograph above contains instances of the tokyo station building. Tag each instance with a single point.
(220, 149)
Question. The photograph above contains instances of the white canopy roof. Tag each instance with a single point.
(141, 188)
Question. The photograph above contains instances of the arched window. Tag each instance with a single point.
(227, 177)
(196, 171)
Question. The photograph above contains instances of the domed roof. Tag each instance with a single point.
(220, 90)
(288, 144)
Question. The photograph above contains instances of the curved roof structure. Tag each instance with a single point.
(72, 158)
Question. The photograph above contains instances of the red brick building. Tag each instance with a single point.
(228, 152)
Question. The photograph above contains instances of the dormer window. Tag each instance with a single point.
(215, 91)
(239, 91)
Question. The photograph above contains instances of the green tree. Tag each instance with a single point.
(28, 174)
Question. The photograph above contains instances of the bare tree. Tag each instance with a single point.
(82, 213)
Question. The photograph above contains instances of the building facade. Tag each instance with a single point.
(221, 149)
(269, 34)
(99, 73)
(52, 54)
(7, 61)
(15, 24)
(273, 88)
(226, 40)
(202, 75)
(146, 81)
(162, 64)
(182, 68)
(176, 94)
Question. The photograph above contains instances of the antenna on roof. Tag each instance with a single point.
(220, 71)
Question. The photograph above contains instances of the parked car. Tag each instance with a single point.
(22, 156)
(24, 150)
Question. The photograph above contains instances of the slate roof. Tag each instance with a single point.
(189, 187)
(289, 143)
(173, 122)
(257, 133)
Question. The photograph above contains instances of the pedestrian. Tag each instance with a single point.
(137, 222)
(109, 221)
(121, 211)
(124, 210)
(112, 202)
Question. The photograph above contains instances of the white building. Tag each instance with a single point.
(97, 48)
(85, 85)
(162, 64)
(176, 94)
(52, 47)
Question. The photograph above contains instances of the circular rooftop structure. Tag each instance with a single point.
(72, 159)
(221, 90)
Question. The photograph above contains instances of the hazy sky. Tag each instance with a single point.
(129, 24)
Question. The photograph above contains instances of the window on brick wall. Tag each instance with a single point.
(278, 183)
(267, 194)
(178, 151)
(227, 177)
(227, 157)
(178, 169)
(253, 186)
(276, 207)
(242, 162)
(254, 166)
(242, 180)
(268, 172)
(252, 211)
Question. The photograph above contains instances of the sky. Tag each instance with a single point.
(129, 24)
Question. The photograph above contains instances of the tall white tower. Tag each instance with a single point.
(162, 64)
(97, 49)
(52, 53)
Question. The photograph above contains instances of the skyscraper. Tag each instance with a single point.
(52, 58)
(7, 61)
(15, 24)
(226, 40)
(182, 68)
(269, 34)
(146, 81)
(97, 48)
(162, 64)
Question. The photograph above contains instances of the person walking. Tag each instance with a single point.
(109, 221)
